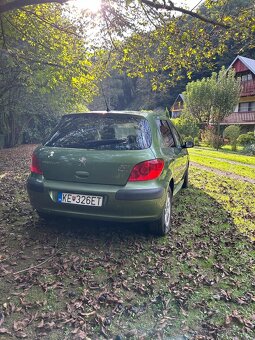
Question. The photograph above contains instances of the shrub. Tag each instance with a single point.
(206, 137)
(188, 139)
(232, 132)
(186, 125)
(246, 139)
(250, 149)
(209, 137)
(196, 141)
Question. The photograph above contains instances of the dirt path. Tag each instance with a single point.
(223, 173)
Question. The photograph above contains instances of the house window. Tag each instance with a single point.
(246, 77)
(252, 106)
(246, 107)
(243, 107)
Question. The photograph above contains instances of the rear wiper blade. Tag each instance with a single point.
(91, 143)
(105, 142)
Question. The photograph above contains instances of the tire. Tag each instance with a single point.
(186, 179)
(162, 226)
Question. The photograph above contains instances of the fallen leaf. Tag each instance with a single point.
(227, 320)
(20, 325)
(41, 324)
(1, 318)
(80, 335)
(4, 331)
(21, 335)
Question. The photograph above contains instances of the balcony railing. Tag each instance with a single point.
(248, 88)
(240, 118)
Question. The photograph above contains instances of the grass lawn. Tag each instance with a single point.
(110, 280)
(236, 164)
(223, 155)
(226, 148)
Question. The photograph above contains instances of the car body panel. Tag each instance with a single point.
(126, 210)
(105, 173)
(90, 166)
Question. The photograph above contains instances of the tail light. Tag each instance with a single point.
(147, 170)
(35, 167)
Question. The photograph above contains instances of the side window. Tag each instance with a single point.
(167, 135)
(177, 136)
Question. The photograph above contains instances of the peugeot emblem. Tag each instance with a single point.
(83, 160)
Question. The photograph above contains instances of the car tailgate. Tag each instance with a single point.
(90, 166)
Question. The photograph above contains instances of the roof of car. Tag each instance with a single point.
(137, 113)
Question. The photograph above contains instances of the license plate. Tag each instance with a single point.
(92, 201)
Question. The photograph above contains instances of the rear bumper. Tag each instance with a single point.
(139, 194)
(135, 202)
(34, 184)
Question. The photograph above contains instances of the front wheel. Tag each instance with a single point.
(162, 226)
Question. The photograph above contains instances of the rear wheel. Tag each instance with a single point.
(162, 226)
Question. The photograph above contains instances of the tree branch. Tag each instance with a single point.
(3, 34)
(41, 18)
(34, 61)
(40, 62)
(172, 7)
(17, 4)
(23, 34)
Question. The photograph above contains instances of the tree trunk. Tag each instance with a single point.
(218, 135)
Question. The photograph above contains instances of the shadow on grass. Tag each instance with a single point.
(86, 227)
(192, 209)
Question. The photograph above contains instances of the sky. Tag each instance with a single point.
(95, 4)
(189, 3)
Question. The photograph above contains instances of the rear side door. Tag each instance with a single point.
(171, 147)
(181, 153)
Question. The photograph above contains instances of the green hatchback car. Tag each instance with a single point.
(119, 166)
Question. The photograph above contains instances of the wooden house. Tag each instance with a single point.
(244, 113)
(177, 106)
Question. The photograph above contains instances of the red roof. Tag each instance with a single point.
(243, 63)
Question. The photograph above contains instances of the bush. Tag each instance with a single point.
(196, 141)
(232, 132)
(209, 137)
(250, 149)
(188, 139)
(186, 125)
(38, 129)
(246, 139)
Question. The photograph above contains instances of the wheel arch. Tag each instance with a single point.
(171, 185)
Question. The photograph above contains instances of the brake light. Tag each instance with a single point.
(147, 170)
(35, 167)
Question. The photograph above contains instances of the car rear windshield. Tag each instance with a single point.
(102, 132)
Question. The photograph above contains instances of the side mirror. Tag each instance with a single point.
(187, 145)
